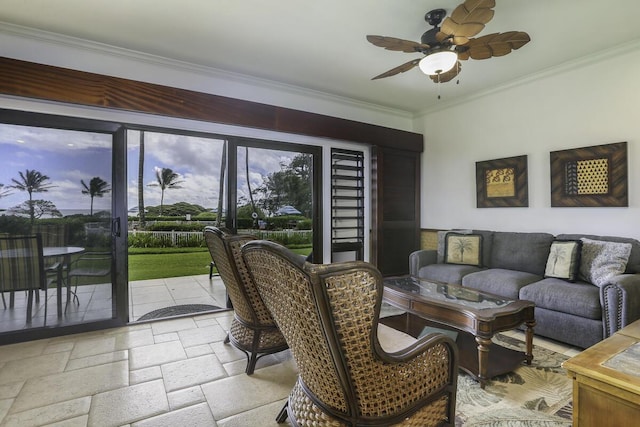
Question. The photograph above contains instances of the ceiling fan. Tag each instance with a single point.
(445, 46)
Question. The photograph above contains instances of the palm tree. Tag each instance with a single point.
(97, 188)
(4, 191)
(31, 181)
(167, 179)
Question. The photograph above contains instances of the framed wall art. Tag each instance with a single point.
(590, 176)
(502, 183)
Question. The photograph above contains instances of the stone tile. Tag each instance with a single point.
(192, 416)
(73, 422)
(227, 352)
(129, 404)
(156, 354)
(33, 367)
(10, 390)
(233, 395)
(57, 347)
(145, 374)
(49, 414)
(198, 350)
(198, 336)
(5, 405)
(65, 386)
(263, 416)
(190, 372)
(171, 336)
(165, 326)
(91, 347)
(99, 359)
(22, 350)
(134, 338)
(185, 397)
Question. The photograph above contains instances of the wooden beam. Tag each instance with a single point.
(32, 80)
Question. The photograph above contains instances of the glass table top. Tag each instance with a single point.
(447, 293)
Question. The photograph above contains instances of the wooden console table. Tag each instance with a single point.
(606, 381)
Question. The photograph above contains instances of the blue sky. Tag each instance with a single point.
(70, 156)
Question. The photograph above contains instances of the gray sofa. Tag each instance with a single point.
(513, 265)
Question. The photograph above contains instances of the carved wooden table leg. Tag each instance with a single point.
(529, 341)
(483, 359)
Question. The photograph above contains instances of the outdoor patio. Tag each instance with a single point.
(95, 301)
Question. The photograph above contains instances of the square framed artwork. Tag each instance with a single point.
(590, 176)
(502, 183)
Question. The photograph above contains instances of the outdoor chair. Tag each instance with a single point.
(53, 235)
(253, 330)
(329, 316)
(86, 268)
(22, 269)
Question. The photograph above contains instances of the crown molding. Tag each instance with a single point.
(551, 71)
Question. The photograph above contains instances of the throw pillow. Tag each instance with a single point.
(602, 260)
(463, 249)
(564, 260)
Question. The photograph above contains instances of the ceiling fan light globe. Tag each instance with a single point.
(438, 62)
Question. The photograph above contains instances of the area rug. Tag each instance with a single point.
(538, 395)
(178, 310)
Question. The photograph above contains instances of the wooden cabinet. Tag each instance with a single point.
(606, 381)
(396, 200)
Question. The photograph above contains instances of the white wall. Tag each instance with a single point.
(595, 103)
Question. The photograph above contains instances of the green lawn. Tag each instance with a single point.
(156, 263)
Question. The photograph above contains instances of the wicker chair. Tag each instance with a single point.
(252, 330)
(329, 313)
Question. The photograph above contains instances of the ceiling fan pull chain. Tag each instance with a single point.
(439, 85)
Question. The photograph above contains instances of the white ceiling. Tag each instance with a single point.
(320, 44)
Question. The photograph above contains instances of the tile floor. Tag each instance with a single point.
(163, 373)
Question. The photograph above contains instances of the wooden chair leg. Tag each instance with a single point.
(251, 365)
(282, 415)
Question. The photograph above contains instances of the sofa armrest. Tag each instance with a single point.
(421, 258)
(620, 299)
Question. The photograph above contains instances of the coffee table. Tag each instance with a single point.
(476, 315)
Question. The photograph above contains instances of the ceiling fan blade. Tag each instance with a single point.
(392, 43)
(496, 44)
(399, 69)
(468, 19)
(448, 76)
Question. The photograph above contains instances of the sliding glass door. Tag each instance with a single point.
(58, 182)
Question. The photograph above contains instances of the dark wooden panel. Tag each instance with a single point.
(27, 79)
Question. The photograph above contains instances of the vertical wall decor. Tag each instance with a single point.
(502, 183)
(590, 176)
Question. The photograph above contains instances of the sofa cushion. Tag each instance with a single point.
(526, 252)
(463, 249)
(564, 260)
(603, 260)
(505, 283)
(446, 273)
(580, 298)
(633, 265)
(487, 239)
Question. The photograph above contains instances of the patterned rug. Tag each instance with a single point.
(538, 395)
(178, 310)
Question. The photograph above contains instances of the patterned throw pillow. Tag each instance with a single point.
(564, 260)
(602, 260)
(463, 249)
